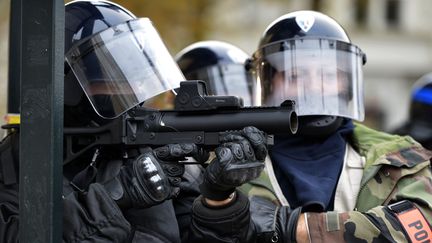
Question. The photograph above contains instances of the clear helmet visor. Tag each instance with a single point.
(227, 79)
(323, 77)
(123, 66)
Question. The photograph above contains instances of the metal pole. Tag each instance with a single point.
(41, 132)
(14, 58)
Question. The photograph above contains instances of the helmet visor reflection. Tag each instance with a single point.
(123, 66)
(323, 77)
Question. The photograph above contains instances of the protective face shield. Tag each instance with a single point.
(307, 57)
(221, 66)
(122, 66)
(323, 77)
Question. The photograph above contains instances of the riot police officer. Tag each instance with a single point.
(419, 123)
(113, 62)
(334, 181)
(221, 65)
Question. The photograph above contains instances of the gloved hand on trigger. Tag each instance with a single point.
(153, 176)
(239, 159)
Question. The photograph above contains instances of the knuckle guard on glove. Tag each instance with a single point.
(237, 151)
(236, 162)
(176, 151)
(144, 182)
(173, 169)
(258, 141)
(152, 177)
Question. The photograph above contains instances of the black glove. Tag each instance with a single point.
(239, 159)
(152, 177)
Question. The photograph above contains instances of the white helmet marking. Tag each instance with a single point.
(305, 22)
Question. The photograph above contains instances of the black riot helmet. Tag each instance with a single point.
(221, 65)
(114, 61)
(307, 57)
(419, 125)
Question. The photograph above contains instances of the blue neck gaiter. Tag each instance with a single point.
(308, 169)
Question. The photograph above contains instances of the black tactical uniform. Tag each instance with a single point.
(92, 214)
(111, 194)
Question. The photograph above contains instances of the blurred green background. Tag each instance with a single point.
(395, 35)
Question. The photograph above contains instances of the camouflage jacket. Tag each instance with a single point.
(397, 168)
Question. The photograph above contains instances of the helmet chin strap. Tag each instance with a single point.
(318, 126)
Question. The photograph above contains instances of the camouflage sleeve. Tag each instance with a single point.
(376, 224)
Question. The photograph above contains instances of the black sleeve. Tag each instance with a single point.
(156, 224)
(227, 224)
(9, 188)
(272, 223)
(170, 220)
(189, 191)
(9, 210)
(93, 217)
